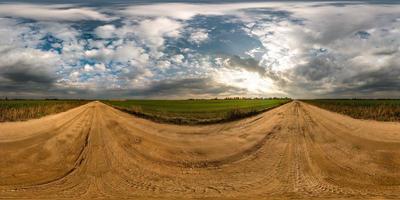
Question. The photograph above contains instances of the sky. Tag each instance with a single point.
(199, 49)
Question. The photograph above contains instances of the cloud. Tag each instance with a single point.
(178, 59)
(88, 68)
(185, 11)
(51, 12)
(106, 31)
(154, 31)
(198, 36)
(376, 81)
(127, 52)
(186, 88)
(130, 52)
(248, 64)
(255, 49)
(100, 67)
(324, 54)
(27, 69)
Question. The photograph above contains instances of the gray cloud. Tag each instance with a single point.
(26, 70)
(249, 64)
(184, 88)
(23, 73)
(62, 12)
(386, 79)
(328, 77)
(319, 68)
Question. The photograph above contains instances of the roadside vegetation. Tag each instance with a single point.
(196, 111)
(377, 109)
(20, 110)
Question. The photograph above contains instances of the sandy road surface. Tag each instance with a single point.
(292, 152)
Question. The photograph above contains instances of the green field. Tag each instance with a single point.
(196, 111)
(381, 110)
(19, 110)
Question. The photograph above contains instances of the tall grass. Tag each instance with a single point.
(381, 110)
(20, 110)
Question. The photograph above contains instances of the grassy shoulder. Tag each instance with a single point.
(196, 111)
(20, 110)
(374, 109)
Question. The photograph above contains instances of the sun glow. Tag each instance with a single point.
(253, 82)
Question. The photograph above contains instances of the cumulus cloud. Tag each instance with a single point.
(248, 64)
(122, 53)
(100, 67)
(201, 50)
(88, 68)
(51, 12)
(178, 59)
(188, 87)
(106, 31)
(198, 36)
(154, 31)
(130, 52)
(186, 11)
(25, 70)
(337, 56)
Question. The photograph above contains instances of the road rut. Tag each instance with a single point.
(296, 151)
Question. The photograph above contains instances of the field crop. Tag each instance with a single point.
(381, 110)
(196, 111)
(19, 110)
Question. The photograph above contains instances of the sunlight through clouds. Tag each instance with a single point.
(296, 49)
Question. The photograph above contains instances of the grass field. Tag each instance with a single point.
(19, 110)
(381, 110)
(196, 111)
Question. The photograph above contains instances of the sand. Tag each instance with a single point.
(295, 151)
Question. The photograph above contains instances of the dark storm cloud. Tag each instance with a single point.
(21, 78)
(22, 73)
(26, 71)
(386, 79)
(186, 87)
(319, 68)
(327, 77)
(248, 64)
(382, 83)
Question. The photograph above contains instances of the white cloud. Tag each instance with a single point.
(127, 52)
(29, 59)
(51, 12)
(106, 31)
(103, 54)
(313, 47)
(198, 36)
(186, 11)
(100, 67)
(154, 31)
(10, 32)
(88, 68)
(178, 59)
(163, 64)
(74, 75)
(96, 68)
(59, 30)
(122, 53)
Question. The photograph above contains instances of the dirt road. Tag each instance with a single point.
(296, 151)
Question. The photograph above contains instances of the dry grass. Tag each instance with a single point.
(381, 110)
(20, 110)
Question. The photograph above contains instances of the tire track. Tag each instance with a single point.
(295, 151)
